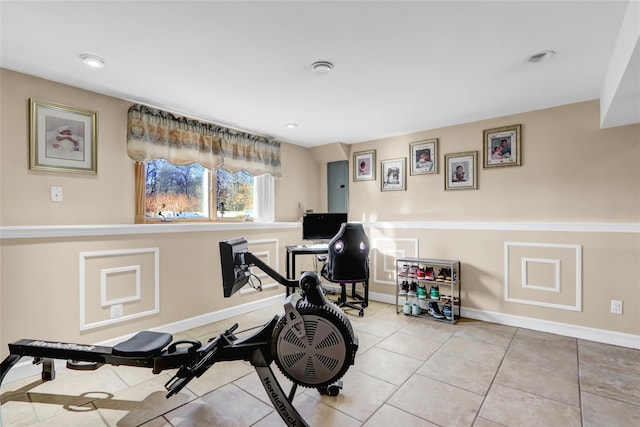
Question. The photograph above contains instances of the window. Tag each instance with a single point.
(234, 194)
(173, 192)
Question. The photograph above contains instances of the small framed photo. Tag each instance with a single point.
(364, 166)
(394, 175)
(424, 157)
(461, 172)
(502, 146)
(62, 138)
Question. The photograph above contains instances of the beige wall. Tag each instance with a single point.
(581, 179)
(571, 171)
(108, 197)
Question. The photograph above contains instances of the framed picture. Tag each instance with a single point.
(424, 157)
(364, 166)
(394, 175)
(461, 172)
(62, 138)
(502, 146)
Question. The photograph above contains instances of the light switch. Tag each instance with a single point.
(56, 194)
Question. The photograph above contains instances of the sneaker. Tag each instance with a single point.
(447, 275)
(434, 310)
(413, 287)
(435, 292)
(415, 310)
(446, 310)
(420, 274)
(413, 270)
(407, 308)
(441, 275)
(404, 288)
(428, 273)
(422, 292)
(403, 271)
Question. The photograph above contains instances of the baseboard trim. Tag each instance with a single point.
(574, 331)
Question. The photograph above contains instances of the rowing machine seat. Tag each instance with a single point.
(142, 344)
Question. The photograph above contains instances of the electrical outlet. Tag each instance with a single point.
(56, 194)
(616, 307)
(116, 311)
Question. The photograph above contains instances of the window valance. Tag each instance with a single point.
(157, 134)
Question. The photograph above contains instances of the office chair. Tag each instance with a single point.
(347, 262)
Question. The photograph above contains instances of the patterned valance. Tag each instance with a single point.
(156, 134)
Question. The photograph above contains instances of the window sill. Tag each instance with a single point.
(48, 231)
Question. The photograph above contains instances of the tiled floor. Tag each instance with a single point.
(409, 372)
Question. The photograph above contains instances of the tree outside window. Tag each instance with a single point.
(175, 192)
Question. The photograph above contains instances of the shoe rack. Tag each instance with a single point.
(428, 288)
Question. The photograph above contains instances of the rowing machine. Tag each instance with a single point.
(312, 343)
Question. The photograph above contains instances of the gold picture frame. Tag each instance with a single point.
(62, 138)
(364, 165)
(461, 171)
(502, 146)
(394, 175)
(424, 157)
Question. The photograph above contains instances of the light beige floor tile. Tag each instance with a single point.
(550, 351)
(477, 351)
(458, 371)
(18, 414)
(361, 396)
(157, 422)
(601, 411)
(611, 383)
(610, 357)
(409, 345)
(429, 329)
(366, 341)
(388, 366)
(536, 379)
(132, 375)
(610, 371)
(391, 416)
(74, 391)
(87, 416)
(227, 406)
(481, 422)
(546, 337)
(314, 412)
(140, 403)
(515, 408)
(544, 354)
(218, 375)
(382, 327)
(251, 384)
(487, 332)
(437, 402)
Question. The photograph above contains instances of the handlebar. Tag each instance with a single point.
(206, 358)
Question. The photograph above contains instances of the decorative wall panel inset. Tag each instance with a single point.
(127, 277)
(385, 252)
(543, 274)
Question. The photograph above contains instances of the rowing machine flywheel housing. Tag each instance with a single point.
(313, 344)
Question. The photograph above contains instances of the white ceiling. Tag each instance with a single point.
(400, 67)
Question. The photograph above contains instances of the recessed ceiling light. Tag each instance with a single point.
(92, 60)
(291, 125)
(541, 56)
(322, 67)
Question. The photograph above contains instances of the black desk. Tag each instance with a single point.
(294, 251)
